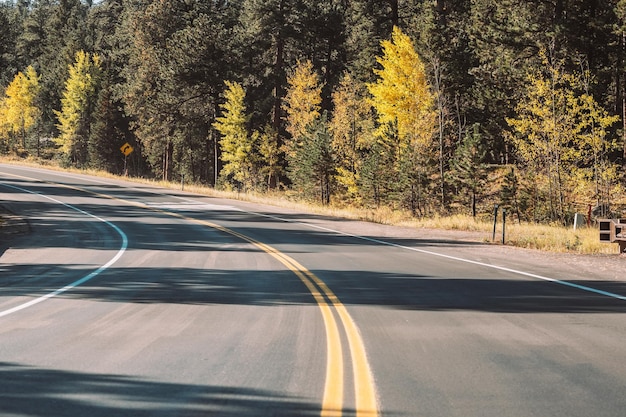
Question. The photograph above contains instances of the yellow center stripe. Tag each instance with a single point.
(366, 404)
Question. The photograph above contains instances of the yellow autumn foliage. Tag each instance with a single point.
(18, 112)
(78, 97)
(235, 141)
(302, 103)
(401, 95)
(561, 134)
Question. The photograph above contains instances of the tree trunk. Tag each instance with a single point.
(279, 63)
(624, 128)
(395, 15)
(440, 110)
(440, 6)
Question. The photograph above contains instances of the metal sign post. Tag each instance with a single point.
(495, 221)
(126, 150)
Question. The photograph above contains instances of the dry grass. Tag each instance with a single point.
(559, 239)
(552, 238)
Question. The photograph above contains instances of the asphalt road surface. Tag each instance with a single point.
(126, 299)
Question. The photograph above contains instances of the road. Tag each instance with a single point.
(127, 299)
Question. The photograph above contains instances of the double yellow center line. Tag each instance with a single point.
(365, 391)
(366, 404)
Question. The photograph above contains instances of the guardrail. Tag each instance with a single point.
(614, 231)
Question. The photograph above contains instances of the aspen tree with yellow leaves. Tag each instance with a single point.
(236, 144)
(302, 104)
(352, 131)
(406, 119)
(77, 106)
(270, 155)
(560, 135)
(18, 112)
(598, 178)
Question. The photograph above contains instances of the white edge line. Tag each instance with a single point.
(426, 252)
(454, 258)
(82, 280)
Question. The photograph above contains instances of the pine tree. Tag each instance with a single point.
(10, 25)
(266, 45)
(176, 55)
(111, 128)
(63, 35)
(145, 29)
(509, 193)
(469, 171)
(312, 164)
(109, 131)
(367, 24)
(505, 37)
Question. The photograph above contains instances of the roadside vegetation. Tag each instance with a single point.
(404, 112)
(553, 238)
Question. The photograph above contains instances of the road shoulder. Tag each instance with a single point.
(11, 227)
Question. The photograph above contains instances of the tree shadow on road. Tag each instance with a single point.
(197, 286)
(36, 392)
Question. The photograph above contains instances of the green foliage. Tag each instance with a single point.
(510, 192)
(505, 36)
(108, 132)
(446, 66)
(60, 27)
(175, 63)
(366, 24)
(311, 162)
(10, 25)
(469, 171)
(270, 156)
(266, 39)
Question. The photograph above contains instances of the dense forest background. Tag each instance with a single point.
(435, 106)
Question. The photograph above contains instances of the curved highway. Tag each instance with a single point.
(132, 300)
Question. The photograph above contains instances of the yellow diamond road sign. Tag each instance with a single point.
(126, 149)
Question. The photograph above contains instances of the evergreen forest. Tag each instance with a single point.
(430, 106)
